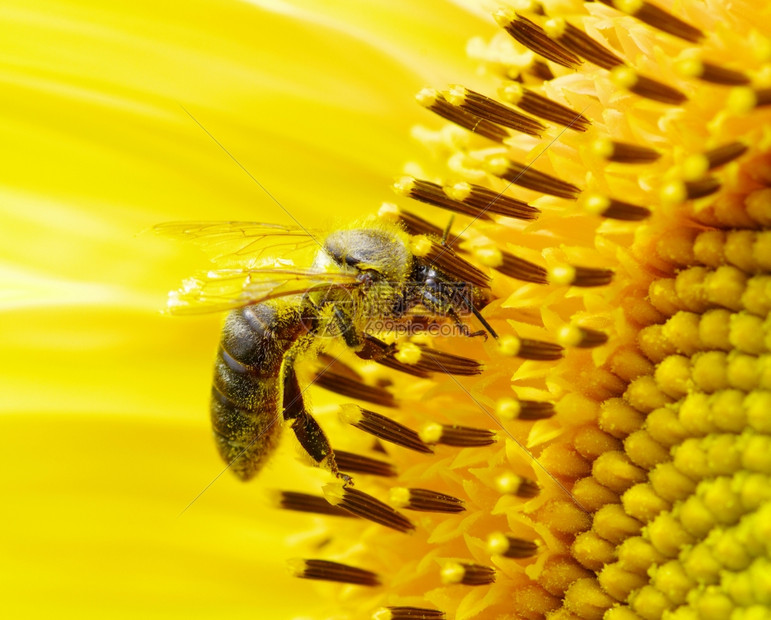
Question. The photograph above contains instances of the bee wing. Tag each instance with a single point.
(240, 244)
(227, 289)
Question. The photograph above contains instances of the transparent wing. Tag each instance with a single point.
(227, 289)
(242, 244)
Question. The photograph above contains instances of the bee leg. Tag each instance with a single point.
(436, 303)
(482, 332)
(484, 322)
(308, 432)
(464, 328)
(362, 344)
(373, 348)
(487, 327)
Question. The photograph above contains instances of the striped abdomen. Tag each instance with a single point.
(246, 410)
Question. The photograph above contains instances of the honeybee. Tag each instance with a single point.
(368, 273)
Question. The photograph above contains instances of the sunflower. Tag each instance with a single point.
(613, 159)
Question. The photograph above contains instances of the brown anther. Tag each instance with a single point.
(720, 75)
(425, 500)
(383, 428)
(512, 484)
(539, 350)
(744, 99)
(524, 176)
(511, 546)
(304, 502)
(581, 337)
(367, 507)
(434, 194)
(512, 266)
(377, 446)
(447, 261)
(660, 19)
(587, 277)
(493, 111)
(416, 225)
(615, 209)
(702, 187)
(651, 89)
(359, 464)
(625, 153)
(528, 348)
(763, 97)
(723, 154)
(483, 200)
(410, 369)
(457, 436)
(521, 269)
(467, 574)
(581, 44)
(436, 102)
(326, 570)
(543, 107)
(535, 410)
(539, 69)
(412, 223)
(408, 613)
(512, 408)
(434, 360)
(533, 37)
(626, 77)
(580, 276)
(354, 388)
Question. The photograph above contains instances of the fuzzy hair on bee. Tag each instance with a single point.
(362, 275)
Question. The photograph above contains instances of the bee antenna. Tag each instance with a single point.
(447, 228)
(484, 322)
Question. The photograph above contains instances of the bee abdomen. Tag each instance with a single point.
(256, 338)
(245, 402)
(245, 438)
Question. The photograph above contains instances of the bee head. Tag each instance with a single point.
(380, 253)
